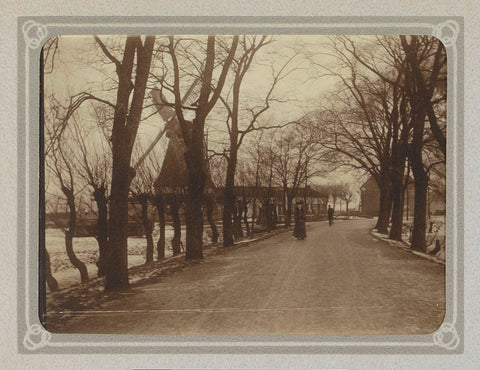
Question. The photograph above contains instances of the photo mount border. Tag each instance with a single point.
(32, 336)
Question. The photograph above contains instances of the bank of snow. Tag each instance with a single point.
(86, 249)
(435, 236)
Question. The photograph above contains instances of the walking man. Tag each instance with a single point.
(330, 215)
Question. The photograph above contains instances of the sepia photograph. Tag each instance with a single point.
(248, 184)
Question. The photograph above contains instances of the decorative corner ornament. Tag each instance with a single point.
(447, 32)
(446, 337)
(36, 337)
(34, 34)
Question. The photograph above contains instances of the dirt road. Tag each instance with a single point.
(339, 280)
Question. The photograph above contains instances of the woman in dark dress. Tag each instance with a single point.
(299, 229)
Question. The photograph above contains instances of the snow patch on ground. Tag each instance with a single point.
(91, 295)
(437, 226)
(86, 249)
(438, 233)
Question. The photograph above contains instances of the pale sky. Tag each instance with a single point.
(75, 72)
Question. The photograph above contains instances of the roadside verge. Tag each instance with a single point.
(91, 295)
(405, 246)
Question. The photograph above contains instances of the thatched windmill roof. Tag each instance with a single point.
(173, 177)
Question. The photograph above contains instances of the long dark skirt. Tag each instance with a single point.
(299, 231)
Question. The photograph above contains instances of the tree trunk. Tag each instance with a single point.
(237, 220)
(102, 228)
(274, 216)
(44, 257)
(245, 215)
(418, 98)
(69, 233)
(398, 194)
(397, 212)
(420, 207)
(193, 135)
(254, 206)
(124, 132)
(400, 133)
(159, 205)
(147, 227)
(195, 159)
(268, 208)
(229, 200)
(51, 281)
(385, 205)
(288, 211)
(210, 205)
(266, 215)
(177, 228)
(116, 268)
(420, 214)
(415, 152)
(254, 215)
(398, 157)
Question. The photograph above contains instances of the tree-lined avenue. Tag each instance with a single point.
(340, 280)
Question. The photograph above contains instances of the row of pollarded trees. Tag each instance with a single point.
(335, 193)
(275, 169)
(132, 63)
(127, 68)
(388, 118)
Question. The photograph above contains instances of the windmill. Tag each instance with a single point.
(167, 113)
(172, 179)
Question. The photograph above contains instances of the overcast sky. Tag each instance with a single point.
(78, 68)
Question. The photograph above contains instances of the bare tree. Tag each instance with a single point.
(142, 189)
(324, 192)
(297, 151)
(210, 199)
(256, 156)
(158, 201)
(59, 162)
(171, 182)
(193, 133)
(51, 281)
(422, 61)
(93, 163)
(420, 96)
(239, 127)
(267, 162)
(246, 179)
(346, 195)
(371, 131)
(336, 193)
(174, 202)
(127, 115)
(44, 255)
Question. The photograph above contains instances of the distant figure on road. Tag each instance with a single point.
(330, 215)
(299, 231)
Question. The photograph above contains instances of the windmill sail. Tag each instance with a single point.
(168, 115)
(173, 175)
